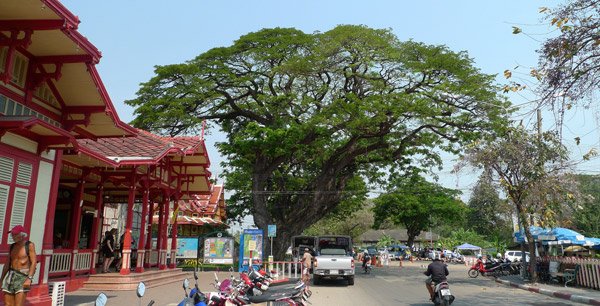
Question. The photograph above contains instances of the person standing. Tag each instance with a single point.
(17, 274)
(108, 249)
(306, 263)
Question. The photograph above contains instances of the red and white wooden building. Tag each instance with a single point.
(66, 159)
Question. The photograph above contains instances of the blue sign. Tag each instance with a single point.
(251, 249)
(187, 248)
(272, 229)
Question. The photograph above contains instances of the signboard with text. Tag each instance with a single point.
(218, 250)
(251, 246)
(187, 248)
(272, 230)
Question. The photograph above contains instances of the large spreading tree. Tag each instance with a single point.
(311, 118)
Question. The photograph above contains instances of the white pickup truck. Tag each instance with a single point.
(334, 259)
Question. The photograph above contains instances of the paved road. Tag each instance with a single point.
(395, 286)
(391, 286)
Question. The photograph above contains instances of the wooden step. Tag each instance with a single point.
(115, 281)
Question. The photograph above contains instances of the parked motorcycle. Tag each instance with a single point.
(495, 269)
(243, 292)
(196, 297)
(443, 296)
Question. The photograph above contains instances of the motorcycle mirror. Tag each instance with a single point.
(186, 283)
(101, 299)
(141, 289)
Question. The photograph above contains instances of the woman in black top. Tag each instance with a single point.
(108, 249)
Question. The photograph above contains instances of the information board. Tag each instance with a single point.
(187, 248)
(218, 250)
(251, 242)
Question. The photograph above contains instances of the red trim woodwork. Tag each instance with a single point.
(30, 24)
(65, 59)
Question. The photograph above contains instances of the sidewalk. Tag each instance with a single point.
(163, 295)
(574, 294)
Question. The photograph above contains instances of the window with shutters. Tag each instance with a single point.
(19, 69)
(16, 193)
(3, 204)
(6, 169)
(19, 208)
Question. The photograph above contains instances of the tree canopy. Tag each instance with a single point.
(488, 214)
(311, 118)
(418, 205)
(570, 61)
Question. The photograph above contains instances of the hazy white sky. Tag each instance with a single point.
(136, 35)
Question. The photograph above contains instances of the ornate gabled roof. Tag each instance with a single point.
(145, 148)
(205, 204)
(59, 56)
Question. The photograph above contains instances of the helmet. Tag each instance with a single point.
(498, 255)
(479, 256)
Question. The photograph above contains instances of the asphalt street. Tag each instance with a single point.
(383, 287)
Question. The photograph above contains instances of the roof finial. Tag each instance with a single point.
(203, 127)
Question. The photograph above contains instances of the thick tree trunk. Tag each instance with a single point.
(530, 242)
(412, 234)
(294, 213)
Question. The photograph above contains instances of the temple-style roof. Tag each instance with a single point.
(208, 208)
(65, 61)
(203, 203)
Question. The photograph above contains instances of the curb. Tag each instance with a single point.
(552, 293)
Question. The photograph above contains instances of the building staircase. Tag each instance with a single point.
(116, 281)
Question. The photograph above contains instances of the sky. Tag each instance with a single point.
(134, 36)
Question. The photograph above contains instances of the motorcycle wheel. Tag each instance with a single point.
(473, 273)
(445, 302)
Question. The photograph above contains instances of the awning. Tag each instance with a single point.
(45, 134)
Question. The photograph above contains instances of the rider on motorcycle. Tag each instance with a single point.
(437, 272)
(366, 257)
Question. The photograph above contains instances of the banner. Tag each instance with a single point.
(218, 250)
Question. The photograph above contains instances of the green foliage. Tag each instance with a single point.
(460, 236)
(488, 215)
(385, 241)
(417, 205)
(586, 216)
(352, 224)
(310, 118)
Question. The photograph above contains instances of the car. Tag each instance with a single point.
(516, 255)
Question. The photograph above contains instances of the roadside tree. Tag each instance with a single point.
(309, 118)
(488, 214)
(532, 169)
(418, 205)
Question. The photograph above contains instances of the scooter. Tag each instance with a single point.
(442, 295)
(196, 297)
(494, 270)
